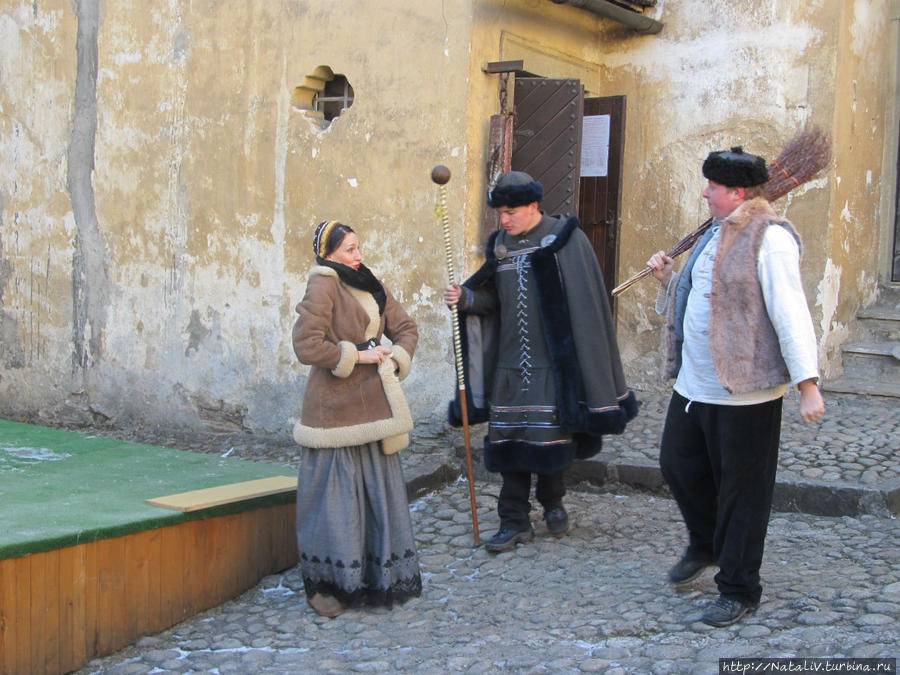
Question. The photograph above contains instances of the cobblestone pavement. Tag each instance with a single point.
(592, 601)
(857, 441)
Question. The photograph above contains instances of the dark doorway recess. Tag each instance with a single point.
(601, 195)
(574, 147)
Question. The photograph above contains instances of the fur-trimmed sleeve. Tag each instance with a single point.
(349, 359)
(403, 359)
(312, 344)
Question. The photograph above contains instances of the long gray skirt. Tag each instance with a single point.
(354, 531)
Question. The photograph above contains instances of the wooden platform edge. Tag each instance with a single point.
(60, 609)
(196, 500)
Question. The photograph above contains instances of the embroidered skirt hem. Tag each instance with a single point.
(354, 530)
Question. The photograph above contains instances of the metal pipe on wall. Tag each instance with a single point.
(609, 10)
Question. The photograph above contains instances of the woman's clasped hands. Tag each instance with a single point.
(376, 354)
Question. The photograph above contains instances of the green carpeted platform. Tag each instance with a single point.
(59, 488)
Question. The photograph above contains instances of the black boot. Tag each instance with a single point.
(557, 520)
(689, 567)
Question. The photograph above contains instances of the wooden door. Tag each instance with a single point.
(574, 147)
(547, 138)
(600, 191)
(895, 264)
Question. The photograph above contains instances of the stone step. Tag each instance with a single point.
(880, 311)
(879, 322)
(881, 348)
(850, 385)
(889, 293)
(872, 363)
(875, 360)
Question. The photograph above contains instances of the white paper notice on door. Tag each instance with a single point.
(595, 146)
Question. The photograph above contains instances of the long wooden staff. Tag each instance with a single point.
(802, 158)
(440, 175)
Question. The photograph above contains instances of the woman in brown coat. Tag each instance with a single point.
(354, 530)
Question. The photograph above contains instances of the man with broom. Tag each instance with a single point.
(738, 333)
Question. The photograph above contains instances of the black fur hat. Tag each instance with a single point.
(515, 188)
(735, 168)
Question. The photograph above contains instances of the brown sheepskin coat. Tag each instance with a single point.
(348, 403)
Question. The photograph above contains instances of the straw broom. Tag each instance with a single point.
(802, 158)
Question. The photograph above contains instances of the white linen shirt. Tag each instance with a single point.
(778, 269)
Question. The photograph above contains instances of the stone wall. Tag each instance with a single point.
(161, 181)
(161, 174)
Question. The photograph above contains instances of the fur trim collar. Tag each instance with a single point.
(749, 210)
(319, 270)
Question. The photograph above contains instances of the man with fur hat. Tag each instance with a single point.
(738, 333)
(540, 355)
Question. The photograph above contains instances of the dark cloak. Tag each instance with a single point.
(592, 397)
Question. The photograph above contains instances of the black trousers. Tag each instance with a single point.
(719, 462)
(513, 505)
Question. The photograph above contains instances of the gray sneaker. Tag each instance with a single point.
(726, 611)
(507, 538)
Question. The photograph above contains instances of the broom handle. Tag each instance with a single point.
(631, 281)
(679, 248)
(778, 185)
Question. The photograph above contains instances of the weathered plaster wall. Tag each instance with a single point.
(862, 99)
(159, 193)
(719, 74)
(39, 236)
(722, 73)
(158, 189)
(372, 167)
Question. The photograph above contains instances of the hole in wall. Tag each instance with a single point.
(323, 96)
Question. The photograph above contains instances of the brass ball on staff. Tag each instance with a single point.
(440, 174)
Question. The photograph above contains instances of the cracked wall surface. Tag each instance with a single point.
(159, 193)
(89, 282)
(158, 189)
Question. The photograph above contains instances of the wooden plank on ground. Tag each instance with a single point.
(72, 590)
(51, 618)
(24, 635)
(225, 494)
(171, 576)
(37, 580)
(112, 622)
(61, 608)
(136, 595)
(155, 621)
(194, 546)
(9, 662)
(91, 601)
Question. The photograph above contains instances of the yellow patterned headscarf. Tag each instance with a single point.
(320, 237)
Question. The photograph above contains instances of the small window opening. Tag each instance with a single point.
(323, 96)
(335, 99)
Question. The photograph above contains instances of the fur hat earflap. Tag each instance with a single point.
(735, 168)
(515, 188)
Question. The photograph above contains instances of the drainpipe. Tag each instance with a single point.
(610, 10)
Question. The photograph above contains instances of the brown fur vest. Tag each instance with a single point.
(742, 340)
